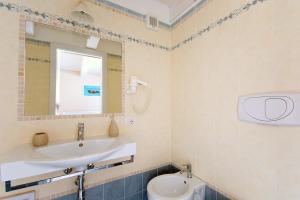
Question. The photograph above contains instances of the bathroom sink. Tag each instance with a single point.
(75, 154)
(175, 187)
(59, 156)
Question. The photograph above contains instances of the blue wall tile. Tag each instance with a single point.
(145, 195)
(68, 197)
(114, 190)
(138, 196)
(221, 197)
(210, 194)
(147, 176)
(95, 193)
(133, 184)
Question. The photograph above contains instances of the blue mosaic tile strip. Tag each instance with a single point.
(193, 10)
(91, 28)
(73, 23)
(233, 14)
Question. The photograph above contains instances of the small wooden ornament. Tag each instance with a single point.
(40, 139)
(113, 130)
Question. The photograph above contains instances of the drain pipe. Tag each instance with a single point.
(81, 191)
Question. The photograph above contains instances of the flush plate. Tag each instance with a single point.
(270, 108)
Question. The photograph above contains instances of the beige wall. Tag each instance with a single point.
(114, 83)
(150, 64)
(37, 79)
(256, 52)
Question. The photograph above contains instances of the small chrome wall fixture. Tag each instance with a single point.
(134, 83)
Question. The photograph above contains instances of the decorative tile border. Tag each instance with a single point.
(233, 14)
(87, 28)
(44, 17)
(38, 60)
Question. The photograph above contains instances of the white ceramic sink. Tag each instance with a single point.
(26, 161)
(75, 154)
(175, 187)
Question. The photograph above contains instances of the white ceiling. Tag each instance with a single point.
(168, 2)
(70, 61)
(166, 11)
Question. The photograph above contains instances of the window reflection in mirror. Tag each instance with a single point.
(64, 76)
(79, 83)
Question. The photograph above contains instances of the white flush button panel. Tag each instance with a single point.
(270, 108)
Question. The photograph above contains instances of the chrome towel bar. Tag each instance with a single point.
(9, 187)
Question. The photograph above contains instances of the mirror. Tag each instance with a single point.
(68, 73)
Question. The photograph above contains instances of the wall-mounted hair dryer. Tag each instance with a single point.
(133, 84)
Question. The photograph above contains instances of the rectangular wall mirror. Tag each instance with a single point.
(69, 73)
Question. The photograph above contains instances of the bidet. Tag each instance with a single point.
(176, 187)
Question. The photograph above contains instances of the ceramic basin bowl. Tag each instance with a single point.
(75, 154)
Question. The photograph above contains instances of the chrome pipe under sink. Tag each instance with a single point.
(81, 190)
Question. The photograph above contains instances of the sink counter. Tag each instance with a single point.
(27, 161)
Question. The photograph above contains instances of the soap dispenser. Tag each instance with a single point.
(113, 130)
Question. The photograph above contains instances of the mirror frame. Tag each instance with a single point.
(21, 68)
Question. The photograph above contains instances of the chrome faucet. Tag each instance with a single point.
(188, 170)
(80, 135)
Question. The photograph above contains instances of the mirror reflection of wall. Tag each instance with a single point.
(67, 73)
